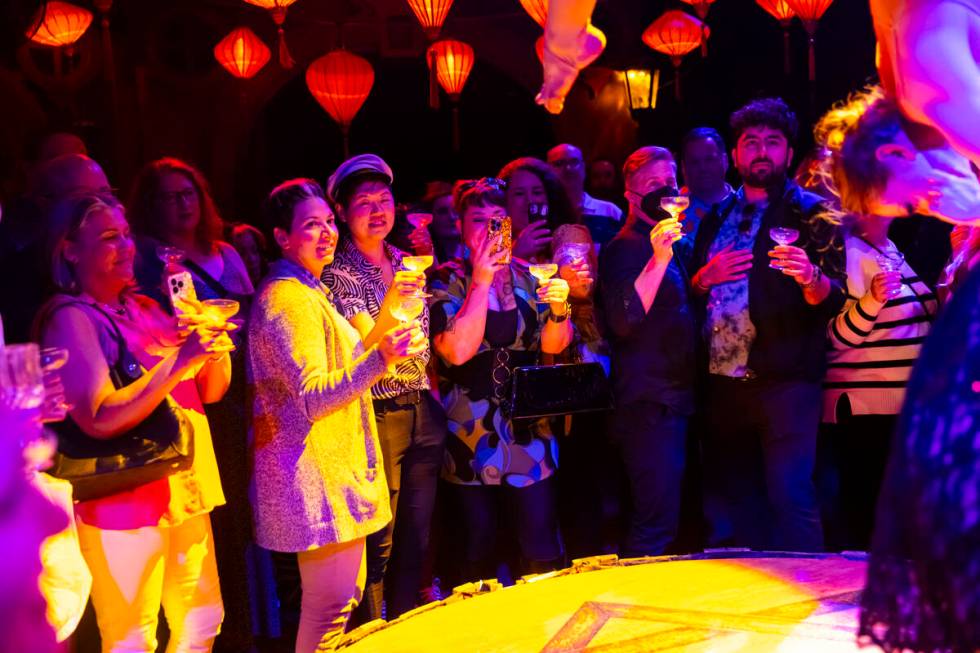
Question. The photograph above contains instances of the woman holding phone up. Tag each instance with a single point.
(485, 323)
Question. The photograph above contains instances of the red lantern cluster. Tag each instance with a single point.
(242, 53)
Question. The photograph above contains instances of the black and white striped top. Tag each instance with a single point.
(359, 287)
(874, 345)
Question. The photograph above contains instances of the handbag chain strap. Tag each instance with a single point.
(500, 375)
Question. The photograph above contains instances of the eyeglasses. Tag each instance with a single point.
(185, 196)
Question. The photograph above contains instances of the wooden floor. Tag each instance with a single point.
(760, 604)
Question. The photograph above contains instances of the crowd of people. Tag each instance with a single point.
(355, 416)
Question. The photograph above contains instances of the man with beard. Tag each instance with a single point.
(763, 311)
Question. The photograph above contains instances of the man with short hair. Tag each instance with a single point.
(764, 311)
(644, 289)
(704, 163)
(567, 161)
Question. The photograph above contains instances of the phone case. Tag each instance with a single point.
(181, 286)
(500, 229)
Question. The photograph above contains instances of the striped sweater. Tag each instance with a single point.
(874, 345)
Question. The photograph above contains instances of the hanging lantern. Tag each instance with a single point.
(278, 10)
(701, 9)
(59, 25)
(781, 11)
(641, 88)
(810, 12)
(453, 62)
(242, 53)
(340, 82)
(431, 14)
(675, 34)
(536, 9)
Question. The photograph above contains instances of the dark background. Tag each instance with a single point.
(172, 98)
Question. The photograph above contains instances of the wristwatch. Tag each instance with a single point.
(817, 275)
(558, 319)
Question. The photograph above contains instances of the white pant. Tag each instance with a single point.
(332, 577)
(136, 571)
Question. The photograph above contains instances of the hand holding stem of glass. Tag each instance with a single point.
(542, 272)
(419, 263)
(782, 236)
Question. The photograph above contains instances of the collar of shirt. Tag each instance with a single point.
(348, 254)
(286, 269)
(702, 207)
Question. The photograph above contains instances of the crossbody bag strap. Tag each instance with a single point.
(206, 277)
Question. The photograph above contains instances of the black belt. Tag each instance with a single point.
(413, 398)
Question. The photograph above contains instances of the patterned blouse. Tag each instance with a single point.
(731, 332)
(489, 449)
(358, 286)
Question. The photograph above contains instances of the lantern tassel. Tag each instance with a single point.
(285, 59)
(677, 77)
(345, 130)
(433, 82)
(813, 61)
(787, 64)
(455, 126)
(704, 42)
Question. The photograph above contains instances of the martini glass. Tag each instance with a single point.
(419, 220)
(675, 205)
(219, 311)
(407, 309)
(784, 235)
(542, 272)
(172, 257)
(418, 263)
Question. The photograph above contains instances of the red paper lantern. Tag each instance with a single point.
(781, 11)
(675, 34)
(810, 11)
(536, 9)
(431, 14)
(278, 10)
(701, 9)
(242, 53)
(340, 82)
(453, 61)
(59, 24)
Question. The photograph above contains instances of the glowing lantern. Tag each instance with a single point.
(781, 11)
(641, 88)
(453, 61)
(810, 12)
(278, 10)
(701, 9)
(536, 9)
(340, 82)
(242, 53)
(675, 34)
(431, 14)
(59, 24)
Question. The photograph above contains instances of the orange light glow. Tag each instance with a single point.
(700, 6)
(453, 62)
(809, 10)
(431, 14)
(59, 24)
(778, 9)
(340, 82)
(242, 53)
(675, 34)
(536, 9)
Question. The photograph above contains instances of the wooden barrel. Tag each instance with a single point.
(721, 601)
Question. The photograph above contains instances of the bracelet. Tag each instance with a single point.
(558, 319)
(817, 276)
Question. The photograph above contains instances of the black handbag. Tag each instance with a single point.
(160, 445)
(552, 390)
